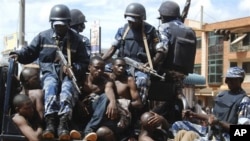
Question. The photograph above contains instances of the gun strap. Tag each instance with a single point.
(123, 37)
(146, 48)
(68, 53)
(125, 32)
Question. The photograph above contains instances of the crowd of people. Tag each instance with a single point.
(114, 105)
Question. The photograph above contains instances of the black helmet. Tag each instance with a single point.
(59, 12)
(135, 9)
(169, 8)
(77, 17)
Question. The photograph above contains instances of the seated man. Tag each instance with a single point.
(30, 81)
(26, 118)
(231, 107)
(153, 127)
(126, 86)
(128, 98)
(100, 90)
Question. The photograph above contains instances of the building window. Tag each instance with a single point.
(197, 68)
(198, 44)
(246, 40)
(215, 59)
(246, 67)
(233, 64)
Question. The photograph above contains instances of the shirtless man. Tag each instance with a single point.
(26, 119)
(128, 99)
(153, 127)
(100, 89)
(30, 81)
(126, 87)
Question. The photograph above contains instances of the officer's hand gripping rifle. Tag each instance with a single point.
(139, 66)
(71, 73)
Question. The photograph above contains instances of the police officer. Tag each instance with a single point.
(59, 91)
(130, 43)
(77, 24)
(231, 107)
(179, 43)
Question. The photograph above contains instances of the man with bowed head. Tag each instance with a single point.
(154, 127)
(59, 90)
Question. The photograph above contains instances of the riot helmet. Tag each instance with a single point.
(60, 12)
(235, 72)
(169, 9)
(77, 17)
(135, 10)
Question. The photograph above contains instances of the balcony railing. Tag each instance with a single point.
(239, 48)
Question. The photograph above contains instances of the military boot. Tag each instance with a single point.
(49, 132)
(63, 128)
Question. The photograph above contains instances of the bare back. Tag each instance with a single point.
(36, 96)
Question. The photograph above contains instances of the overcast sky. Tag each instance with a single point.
(110, 14)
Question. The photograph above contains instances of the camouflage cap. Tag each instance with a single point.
(235, 72)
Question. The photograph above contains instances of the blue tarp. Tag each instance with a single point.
(194, 79)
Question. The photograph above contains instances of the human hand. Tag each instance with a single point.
(144, 67)
(155, 120)
(13, 55)
(112, 110)
(187, 114)
(66, 70)
(212, 120)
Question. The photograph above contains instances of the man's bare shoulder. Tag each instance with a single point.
(18, 119)
(107, 77)
(36, 92)
(130, 78)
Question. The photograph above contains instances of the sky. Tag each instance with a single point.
(109, 14)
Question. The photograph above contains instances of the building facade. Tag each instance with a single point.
(219, 46)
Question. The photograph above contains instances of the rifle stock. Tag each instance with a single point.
(139, 66)
(70, 71)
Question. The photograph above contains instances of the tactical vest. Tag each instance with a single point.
(182, 48)
(227, 105)
(133, 47)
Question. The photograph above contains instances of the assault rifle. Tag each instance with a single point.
(185, 10)
(139, 66)
(71, 73)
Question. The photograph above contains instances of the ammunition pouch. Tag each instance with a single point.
(184, 54)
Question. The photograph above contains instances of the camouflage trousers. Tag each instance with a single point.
(142, 82)
(59, 97)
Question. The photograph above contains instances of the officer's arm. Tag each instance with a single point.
(161, 47)
(30, 53)
(114, 45)
(212, 120)
(159, 56)
(109, 53)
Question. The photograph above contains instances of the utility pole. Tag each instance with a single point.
(21, 39)
(201, 20)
